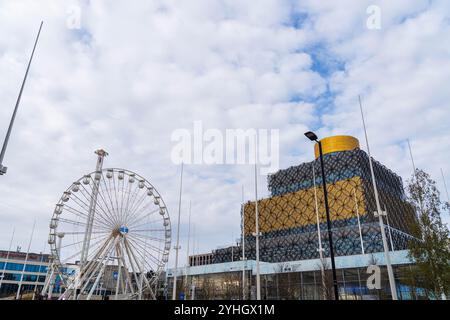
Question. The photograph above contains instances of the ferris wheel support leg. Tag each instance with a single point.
(128, 282)
(97, 267)
(132, 264)
(118, 275)
(48, 280)
(92, 206)
(100, 274)
(91, 265)
(143, 277)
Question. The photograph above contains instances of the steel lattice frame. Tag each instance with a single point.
(287, 220)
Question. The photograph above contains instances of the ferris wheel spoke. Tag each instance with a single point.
(122, 194)
(136, 206)
(151, 256)
(94, 256)
(137, 216)
(135, 196)
(82, 232)
(116, 196)
(80, 223)
(148, 230)
(96, 210)
(145, 244)
(106, 216)
(79, 242)
(126, 268)
(97, 224)
(136, 219)
(146, 261)
(130, 258)
(143, 213)
(91, 269)
(139, 208)
(153, 247)
(112, 213)
(141, 271)
(128, 192)
(114, 203)
(85, 215)
(125, 213)
(102, 270)
(108, 193)
(66, 260)
(149, 237)
(148, 224)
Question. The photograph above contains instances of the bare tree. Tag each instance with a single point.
(431, 252)
(327, 289)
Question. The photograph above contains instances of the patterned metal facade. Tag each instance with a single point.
(288, 218)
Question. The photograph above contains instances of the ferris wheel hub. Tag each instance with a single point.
(123, 230)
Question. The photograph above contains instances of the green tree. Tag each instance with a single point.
(431, 252)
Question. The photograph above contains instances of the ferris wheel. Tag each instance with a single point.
(110, 234)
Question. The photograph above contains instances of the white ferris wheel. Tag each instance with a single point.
(112, 229)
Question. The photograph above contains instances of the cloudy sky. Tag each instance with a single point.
(123, 75)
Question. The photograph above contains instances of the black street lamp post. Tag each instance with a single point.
(313, 137)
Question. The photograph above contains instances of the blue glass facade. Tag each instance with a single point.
(19, 267)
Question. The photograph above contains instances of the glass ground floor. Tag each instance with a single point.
(287, 285)
(299, 280)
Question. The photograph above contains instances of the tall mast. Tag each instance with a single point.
(445, 186)
(13, 117)
(415, 175)
(379, 213)
(187, 250)
(243, 245)
(7, 257)
(19, 287)
(258, 277)
(177, 247)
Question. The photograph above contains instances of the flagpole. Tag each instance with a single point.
(258, 278)
(445, 186)
(25, 262)
(7, 257)
(415, 173)
(40, 266)
(187, 251)
(379, 212)
(177, 248)
(243, 245)
(322, 261)
(359, 222)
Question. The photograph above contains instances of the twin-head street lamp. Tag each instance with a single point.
(313, 137)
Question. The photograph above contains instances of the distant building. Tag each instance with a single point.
(12, 272)
(289, 239)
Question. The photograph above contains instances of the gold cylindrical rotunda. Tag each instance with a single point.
(336, 144)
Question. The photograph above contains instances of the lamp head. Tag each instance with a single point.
(311, 136)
